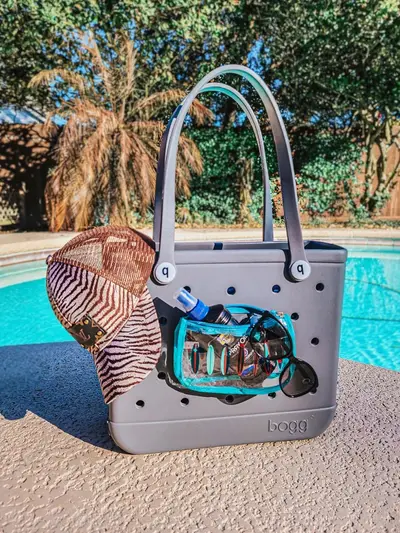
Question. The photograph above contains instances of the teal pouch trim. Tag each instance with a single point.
(212, 330)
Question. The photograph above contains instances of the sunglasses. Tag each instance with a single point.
(272, 342)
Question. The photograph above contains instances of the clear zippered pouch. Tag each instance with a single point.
(216, 358)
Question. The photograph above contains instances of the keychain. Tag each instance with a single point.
(195, 357)
(225, 360)
(210, 359)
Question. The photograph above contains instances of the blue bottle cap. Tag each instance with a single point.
(195, 308)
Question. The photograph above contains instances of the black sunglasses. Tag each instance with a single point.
(271, 341)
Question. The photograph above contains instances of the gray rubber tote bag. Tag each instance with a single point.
(304, 280)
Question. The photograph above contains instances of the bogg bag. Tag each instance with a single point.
(172, 408)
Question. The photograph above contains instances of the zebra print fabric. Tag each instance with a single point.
(77, 293)
(119, 326)
(133, 353)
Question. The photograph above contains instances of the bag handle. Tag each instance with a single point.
(268, 222)
(164, 216)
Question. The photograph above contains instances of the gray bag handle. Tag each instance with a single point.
(268, 222)
(164, 216)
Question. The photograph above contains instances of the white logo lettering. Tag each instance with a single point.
(293, 426)
(165, 272)
(300, 270)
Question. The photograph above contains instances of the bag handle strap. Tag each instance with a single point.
(164, 216)
(268, 221)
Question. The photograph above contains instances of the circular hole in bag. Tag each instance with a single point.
(187, 288)
(276, 289)
(229, 398)
(315, 341)
(272, 395)
(320, 287)
(161, 375)
(298, 378)
(185, 402)
(231, 291)
(294, 316)
(140, 404)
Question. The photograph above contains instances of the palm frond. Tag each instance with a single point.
(86, 110)
(46, 77)
(95, 154)
(128, 78)
(100, 67)
(158, 101)
(50, 128)
(123, 204)
(143, 173)
(189, 159)
(147, 128)
(190, 154)
(103, 160)
(82, 194)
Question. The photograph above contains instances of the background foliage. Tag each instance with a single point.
(214, 195)
(328, 166)
(326, 169)
(332, 66)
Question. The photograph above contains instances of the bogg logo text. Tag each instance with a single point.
(292, 426)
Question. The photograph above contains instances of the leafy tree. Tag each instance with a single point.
(217, 195)
(177, 41)
(334, 66)
(31, 34)
(107, 152)
(327, 167)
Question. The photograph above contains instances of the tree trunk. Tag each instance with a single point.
(246, 176)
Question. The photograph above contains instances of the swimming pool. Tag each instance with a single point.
(371, 309)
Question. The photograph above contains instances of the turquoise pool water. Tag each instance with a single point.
(371, 309)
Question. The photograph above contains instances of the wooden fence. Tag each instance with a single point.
(25, 159)
(392, 208)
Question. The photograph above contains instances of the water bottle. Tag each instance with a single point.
(214, 314)
(198, 310)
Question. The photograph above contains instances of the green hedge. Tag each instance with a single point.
(325, 166)
(215, 194)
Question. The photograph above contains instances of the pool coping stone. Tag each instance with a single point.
(22, 247)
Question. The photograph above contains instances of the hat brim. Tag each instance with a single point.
(133, 353)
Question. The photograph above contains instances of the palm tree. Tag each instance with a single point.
(107, 151)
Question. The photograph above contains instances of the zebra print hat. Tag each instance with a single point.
(97, 288)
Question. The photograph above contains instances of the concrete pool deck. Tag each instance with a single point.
(60, 472)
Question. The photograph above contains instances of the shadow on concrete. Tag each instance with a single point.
(57, 382)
